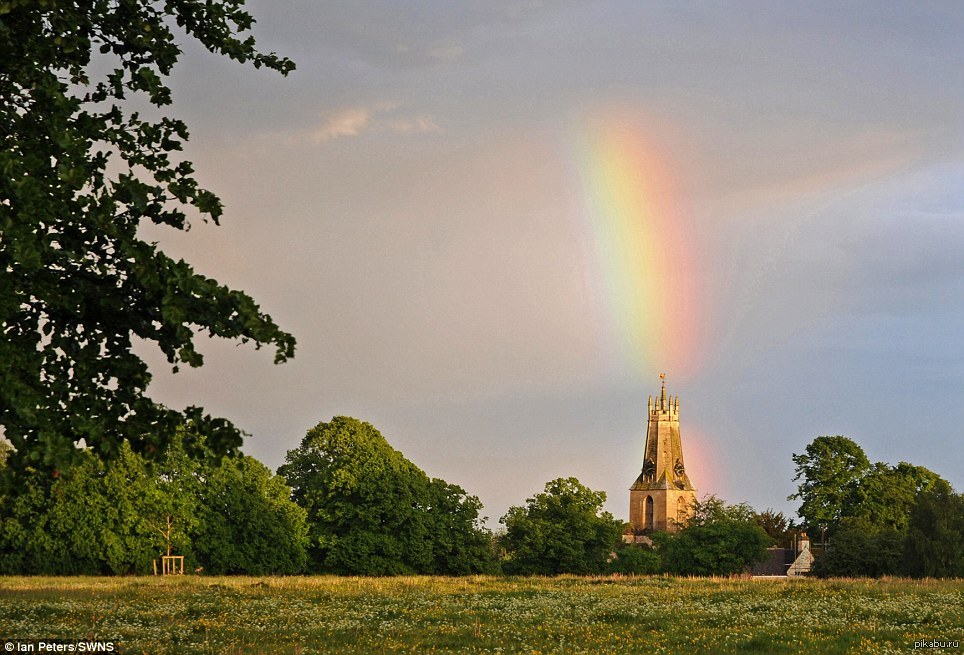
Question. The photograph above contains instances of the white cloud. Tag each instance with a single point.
(353, 121)
(347, 122)
(422, 123)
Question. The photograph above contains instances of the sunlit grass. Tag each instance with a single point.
(484, 614)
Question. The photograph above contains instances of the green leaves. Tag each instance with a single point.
(828, 471)
(880, 519)
(837, 482)
(719, 539)
(247, 523)
(562, 530)
(79, 176)
(229, 516)
(935, 534)
(860, 548)
(373, 512)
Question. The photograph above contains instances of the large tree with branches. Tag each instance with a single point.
(80, 172)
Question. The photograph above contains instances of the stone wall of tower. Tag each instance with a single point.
(668, 511)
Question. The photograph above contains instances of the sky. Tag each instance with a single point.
(492, 225)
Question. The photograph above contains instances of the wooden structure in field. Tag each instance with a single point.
(170, 564)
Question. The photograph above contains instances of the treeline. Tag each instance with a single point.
(232, 516)
(346, 502)
(878, 519)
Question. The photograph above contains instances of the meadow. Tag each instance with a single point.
(483, 614)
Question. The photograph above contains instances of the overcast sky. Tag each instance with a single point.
(422, 204)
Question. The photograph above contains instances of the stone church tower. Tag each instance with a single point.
(662, 496)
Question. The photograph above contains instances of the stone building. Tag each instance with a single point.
(786, 562)
(662, 498)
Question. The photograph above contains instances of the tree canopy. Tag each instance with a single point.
(117, 517)
(838, 482)
(880, 519)
(562, 530)
(79, 174)
(719, 539)
(247, 522)
(861, 547)
(885, 494)
(934, 545)
(777, 526)
(829, 472)
(373, 512)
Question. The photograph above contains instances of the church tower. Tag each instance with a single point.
(662, 497)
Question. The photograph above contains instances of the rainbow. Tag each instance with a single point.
(643, 245)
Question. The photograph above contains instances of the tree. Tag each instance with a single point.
(121, 515)
(935, 537)
(26, 544)
(715, 510)
(885, 494)
(829, 472)
(778, 527)
(247, 522)
(93, 519)
(867, 509)
(562, 530)
(861, 548)
(460, 543)
(117, 517)
(362, 499)
(719, 539)
(373, 512)
(632, 559)
(79, 175)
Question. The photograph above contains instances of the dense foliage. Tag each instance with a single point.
(860, 547)
(357, 506)
(837, 481)
(635, 559)
(778, 527)
(935, 537)
(886, 494)
(247, 522)
(562, 530)
(829, 472)
(79, 174)
(372, 512)
(719, 539)
(880, 519)
(118, 517)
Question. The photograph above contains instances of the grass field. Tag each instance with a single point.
(484, 614)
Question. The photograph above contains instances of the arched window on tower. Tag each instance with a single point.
(681, 513)
(648, 523)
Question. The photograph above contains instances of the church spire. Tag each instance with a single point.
(663, 495)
